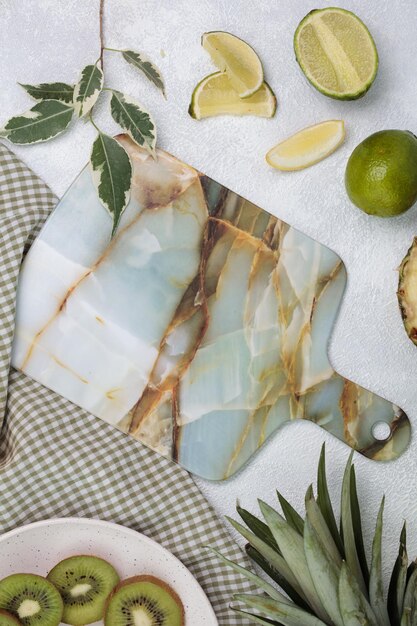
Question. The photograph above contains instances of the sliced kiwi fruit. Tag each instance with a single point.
(84, 583)
(144, 600)
(7, 619)
(33, 600)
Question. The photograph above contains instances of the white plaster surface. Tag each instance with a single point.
(44, 40)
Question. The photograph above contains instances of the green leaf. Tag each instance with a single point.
(291, 515)
(348, 531)
(50, 91)
(133, 118)
(398, 581)
(145, 65)
(255, 618)
(273, 557)
(258, 527)
(376, 587)
(276, 576)
(357, 527)
(88, 89)
(286, 614)
(291, 545)
(112, 174)
(355, 609)
(324, 502)
(324, 572)
(319, 525)
(259, 582)
(409, 615)
(43, 121)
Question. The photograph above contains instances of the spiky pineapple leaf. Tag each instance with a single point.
(354, 607)
(286, 614)
(324, 572)
(409, 614)
(376, 587)
(316, 518)
(291, 515)
(142, 63)
(276, 576)
(258, 527)
(347, 528)
(398, 581)
(357, 527)
(324, 502)
(112, 175)
(275, 559)
(291, 545)
(255, 618)
(134, 119)
(44, 121)
(259, 582)
(50, 91)
(88, 89)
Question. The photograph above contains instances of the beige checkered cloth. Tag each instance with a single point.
(56, 460)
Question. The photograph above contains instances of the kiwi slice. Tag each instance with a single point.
(33, 600)
(84, 583)
(144, 600)
(7, 619)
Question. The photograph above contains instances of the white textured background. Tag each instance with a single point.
(45, 40)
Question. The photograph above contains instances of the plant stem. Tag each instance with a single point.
(101, 17)
(94, 124)
(112, 49)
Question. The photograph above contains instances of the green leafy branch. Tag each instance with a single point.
(57, 104)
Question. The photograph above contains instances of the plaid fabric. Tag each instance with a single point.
(56, 460)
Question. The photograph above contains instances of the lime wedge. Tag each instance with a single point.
(214, 95)
(336, 52)
(308, 146)
(235, 57)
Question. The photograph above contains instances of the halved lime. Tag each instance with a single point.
(214, 95)
(235, 57)
(308, 146)
(336, 52)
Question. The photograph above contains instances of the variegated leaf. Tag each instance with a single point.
(88, 89)
(112, 175)
(43, 121)
(50, 91)
(134, 119)
(145, 65)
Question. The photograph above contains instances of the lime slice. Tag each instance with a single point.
(308, 146)
(214, 95)
(235, 57)
(336, 52)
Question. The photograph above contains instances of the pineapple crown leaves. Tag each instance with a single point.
(58, 103)
(321, 567)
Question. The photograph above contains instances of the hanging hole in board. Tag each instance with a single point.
(381, 431)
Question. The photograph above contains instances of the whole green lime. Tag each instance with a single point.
(381, 174)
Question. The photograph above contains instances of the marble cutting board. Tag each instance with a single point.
(200, 329)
